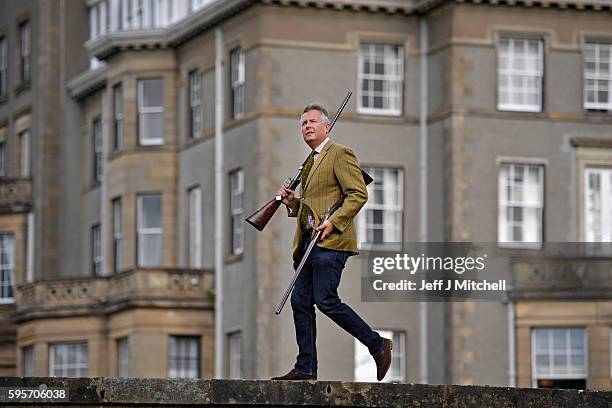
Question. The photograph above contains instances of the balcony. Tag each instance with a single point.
(190, 288)
(15, 195)
(573, 271)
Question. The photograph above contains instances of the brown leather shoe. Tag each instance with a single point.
(383, 360)
(295, 376)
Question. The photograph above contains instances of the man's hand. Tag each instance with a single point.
(287, 194)
(327, 228)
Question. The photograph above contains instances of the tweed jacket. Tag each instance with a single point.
(335, 172)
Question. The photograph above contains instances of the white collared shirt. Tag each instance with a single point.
(320, 147)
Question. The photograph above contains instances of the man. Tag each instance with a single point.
(331, 170)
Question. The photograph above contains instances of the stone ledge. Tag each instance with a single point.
(115, 392)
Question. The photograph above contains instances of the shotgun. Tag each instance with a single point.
(260, 218)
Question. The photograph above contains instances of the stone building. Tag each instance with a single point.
(109, 113)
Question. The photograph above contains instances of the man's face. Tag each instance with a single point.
(314, 128)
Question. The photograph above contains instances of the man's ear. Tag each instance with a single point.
(327, 126)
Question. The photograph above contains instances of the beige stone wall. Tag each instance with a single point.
(595, 317)
(147, 331)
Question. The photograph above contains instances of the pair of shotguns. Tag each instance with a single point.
(260, 218)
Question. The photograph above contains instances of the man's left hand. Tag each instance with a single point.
(327, 228)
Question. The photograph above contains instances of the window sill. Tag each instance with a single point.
(233, 258)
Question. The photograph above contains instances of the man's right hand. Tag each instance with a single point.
(287, 194)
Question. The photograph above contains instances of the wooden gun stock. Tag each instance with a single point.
(260, 218)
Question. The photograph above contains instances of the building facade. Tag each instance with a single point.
(108, 122)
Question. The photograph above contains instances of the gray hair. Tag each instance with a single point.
(318, 107)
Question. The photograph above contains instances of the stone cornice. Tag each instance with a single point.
(87, 82)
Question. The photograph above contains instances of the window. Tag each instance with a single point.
(28, 361)
(150, 112)
(7, 268)
(123, 361)
(195, 103)
(68, 360)
(149, 230)
(195, 227)
(598, 76)
(3, 70)
(184, 357)
(521, 203)
(237, 77)
(520, 74)
(236, 209)
(97, 150)
(24, 149)
(117, 235)
(381, 219)
(558, 357)
(381, 79)
(24, 52)
(96, 250)
(598, 204)
(118, 117)
(99, 19)
(365, 367)
(2, 159)
(235, 355)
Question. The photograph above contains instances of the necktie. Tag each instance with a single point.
(305, 172)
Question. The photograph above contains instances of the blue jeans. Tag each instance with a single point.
(317, 285)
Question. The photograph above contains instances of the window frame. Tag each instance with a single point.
(80, 346)
(533, 355)
(589, 76)
(97, 150)
(3, 67)
(117, 208)
(24, 35)
(27, 359)
(96, 250)
(118, 120)
(3, 172)
(237, 81)
(235, 360)
(142, 231)
(236, 224)
(511, 74)
(195, 94)
(24, 153)
(194, 259)
(123, 356)
(502, 205)
(181, 359)
(142, 110)
(7, 279)
(388, 80)
(362, 223)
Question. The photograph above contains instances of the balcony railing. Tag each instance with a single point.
(15, 195)
(144, 287)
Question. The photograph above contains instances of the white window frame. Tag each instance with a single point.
(392, 231)
(3, 67)
(27, 353)
(523, 75)
(118, 117)
(123, 357)
(7, 268)
(238, 80)
(365, 367)
(503, 225)
(180, 357)
(392, 91)
(603, 229)
(97, 150)
(81, 363)
(236, 211)
(234, 340)
(597, 76)
(149, 231)
(536, 375)
(195, 103)
(24, 51)
(143, 140)
(194, 223)
(24, 151)
(117, 234)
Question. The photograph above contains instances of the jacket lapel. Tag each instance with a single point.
(317, 162)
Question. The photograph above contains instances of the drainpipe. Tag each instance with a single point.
(218, 203)
(104, 119)
(511, 345)
(423, 233)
